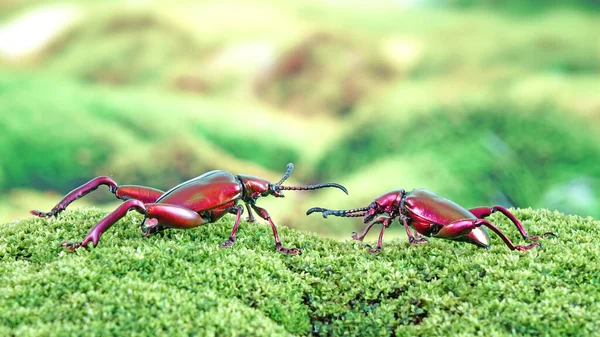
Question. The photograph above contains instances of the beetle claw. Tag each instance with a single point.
(70, 246)
(228, 243)
(54, 212)
(528, 247)
(543, 236)
(289, 251)
(316, 209)
(417, 241)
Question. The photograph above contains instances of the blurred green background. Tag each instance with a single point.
(485, 102)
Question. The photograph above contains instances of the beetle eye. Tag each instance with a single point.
(273, 191)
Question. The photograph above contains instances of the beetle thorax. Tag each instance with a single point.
(254, 187)
(390, 202)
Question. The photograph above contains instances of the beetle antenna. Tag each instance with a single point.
(312, 187)
(351, 213)
(287, 174)
(356, 215)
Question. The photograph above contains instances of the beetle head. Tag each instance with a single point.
(372, 210)
(256, 187)
(387, 203)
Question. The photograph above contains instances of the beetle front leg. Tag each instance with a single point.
(361, 237)
(229, 242)
(265, 215)
(483, 212)
(380, 220)
(77, 193)
(386, 222)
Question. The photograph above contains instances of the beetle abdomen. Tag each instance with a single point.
(208, 191)
(429, 206)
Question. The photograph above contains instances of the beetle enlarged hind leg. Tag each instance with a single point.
(460, 228)
(77, 193)
(171, 216)
(124, 192)
(484, 212)
(95, 233)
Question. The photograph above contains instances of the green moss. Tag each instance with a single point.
(182, 283)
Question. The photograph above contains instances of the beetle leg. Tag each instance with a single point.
(360, 237)
(229, 242)
(126, 192)
(76, 194)
(417, 238)
(265, 215)
(483, 212)
(94, 234)
(150, 226)
(174, 216)
(142, 193)
(386, 222)
(250, 217)
(381, 219)
(459, 228)
(171, 216)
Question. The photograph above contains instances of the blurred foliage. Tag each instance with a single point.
(183, 283)
(81, 138)
(129, 48)
(524, 6)
(338, 71)
(499, 149)
(460, 97)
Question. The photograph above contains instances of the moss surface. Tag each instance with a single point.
(182, 283)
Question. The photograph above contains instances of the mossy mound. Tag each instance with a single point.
(339, 72)
(182, 283)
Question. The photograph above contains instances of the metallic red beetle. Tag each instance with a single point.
(201, 200)
(434, 216)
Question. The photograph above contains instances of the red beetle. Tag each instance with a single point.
(434, 216)
(201, 200)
